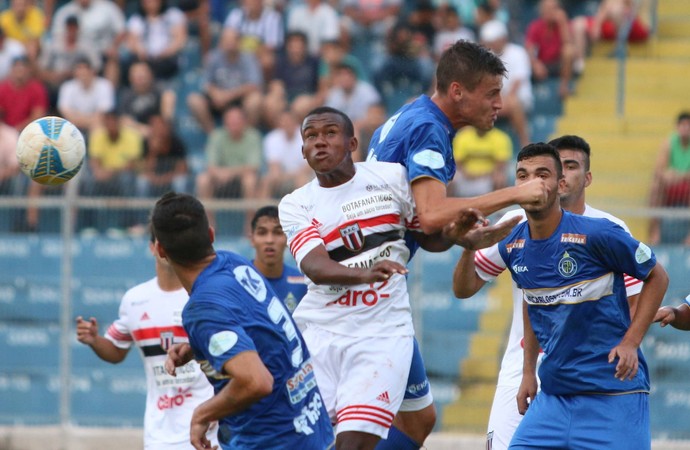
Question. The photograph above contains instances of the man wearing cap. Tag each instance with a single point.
(517, 87)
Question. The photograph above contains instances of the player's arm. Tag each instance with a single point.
(436, 210)
(528, 385)
(676, 316)
(250, 381)
(87, 333)
(321, 269)
(650, 298)
(466, 281)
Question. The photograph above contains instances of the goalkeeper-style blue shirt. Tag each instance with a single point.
(231, 309)
(577, 305)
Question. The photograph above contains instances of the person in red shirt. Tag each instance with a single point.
(22, 97)
(550, 45)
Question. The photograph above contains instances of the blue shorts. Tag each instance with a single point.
(418, 392)
(583, 422)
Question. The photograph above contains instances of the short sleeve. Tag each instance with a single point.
(302, 235)
(119, 332)
(622, 253)
(429, 151)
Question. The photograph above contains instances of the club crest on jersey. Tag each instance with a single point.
(567, 266)
(353, 237)
(167, 340)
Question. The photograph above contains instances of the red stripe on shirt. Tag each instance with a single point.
(486, 265)
(117, 335)
(366, 223)
(155, 332)
(302, 238)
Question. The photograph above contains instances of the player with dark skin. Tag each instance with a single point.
(676, 316)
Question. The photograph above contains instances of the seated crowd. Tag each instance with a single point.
(114, 69)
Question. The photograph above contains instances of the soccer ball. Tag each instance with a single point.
(51, 150)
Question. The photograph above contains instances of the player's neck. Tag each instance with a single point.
(444, 105)
(269, 270)
(542, 224)
(188, 274)
(576, 207)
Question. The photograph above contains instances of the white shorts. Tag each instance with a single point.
(504, 418)
(362, 379)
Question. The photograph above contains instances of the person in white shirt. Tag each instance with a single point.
(350, 94)
(150, 318)
(303, 17)
(476, 268)
(517, 87)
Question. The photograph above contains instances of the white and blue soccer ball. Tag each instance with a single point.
(51, 150)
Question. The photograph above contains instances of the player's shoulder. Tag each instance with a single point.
(513, 213)
(599, 214)
(141, 291)
(298, 196)
(383, 168)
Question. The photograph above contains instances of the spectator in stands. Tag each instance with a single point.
(451, 29)
(59, 56)
(549, 44)
(517, 87)
(297, 75)
(156, 35)
(350, 94)
(286, 167)
(233, 155)
(231, 77)
(364, 128)
(26, 23)
(481, 157)
(261, 28)
(367, 23)
(144, 99)
(85, 98)
(334, 53)
(608, 21)
(22, 97)
(303, 17)
(164, 165)
(671, 182)
(102, 26)
(269, 242)
(10, 49)
(10, 182)
(114, 152)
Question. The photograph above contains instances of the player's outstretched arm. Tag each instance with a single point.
(321, 269)
(178, 355)
(87, 333)
(466, 282)
(676, 316)
(652, 294)
(250, 381)
(482, 235)
(436, 210)
(528, 385)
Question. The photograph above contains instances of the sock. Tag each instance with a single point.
(397, 440)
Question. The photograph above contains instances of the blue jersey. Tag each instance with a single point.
(420, 137)
(290, 287)
(232, 310)
(577, 304)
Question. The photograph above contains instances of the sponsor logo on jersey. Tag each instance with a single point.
(353, 237)
(379, 203)
(417, 387)
(251, 281)
(520, 243)
(316, 223)
(429, 158)
(377, 187)
(571, 238)
(567, 266)
(167, 340)
(301, 383)
(309, 416)
(588, 290)
(383, 397)
(368, 297)
(296, 279)
(519, 269)
(145, 316)
(643, 253)
(222, 342)
(168, 402)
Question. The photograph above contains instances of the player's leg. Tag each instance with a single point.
(371, 389)
(545, 425)
(417, 415)
(503, 419)
(326, 362)
(613, 422)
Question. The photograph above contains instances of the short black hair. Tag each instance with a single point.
(466, 63)
(181, 227)
(573, 142)
(685, 115)
(265, 211)
(541, 149)
(349, 128)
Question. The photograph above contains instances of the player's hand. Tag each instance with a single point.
(87, 330)
(532, 192)
(665, 315)
(383, 270)
(483, 236)
(467, 220)
(178, 355)
(627, 361)
(526, 393)
(197, 436)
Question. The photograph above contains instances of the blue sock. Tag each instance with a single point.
(397, 440)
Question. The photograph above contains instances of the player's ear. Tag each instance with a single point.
(160, 250)
(455, 91)
(354, 143)
(212, 234)
(588, 178)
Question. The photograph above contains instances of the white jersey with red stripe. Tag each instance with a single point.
(489, 264)
(151, 319)
(360, 222)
